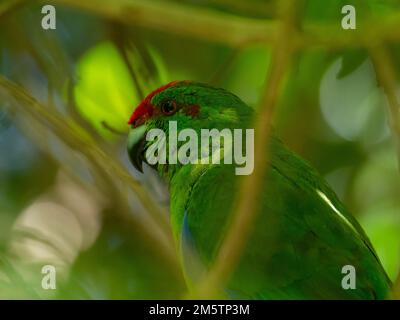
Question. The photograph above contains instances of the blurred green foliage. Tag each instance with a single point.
(95, 68)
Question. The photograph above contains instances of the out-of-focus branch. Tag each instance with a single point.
(181, 19)
(155, 223)
(248, 203)
(330, 36)
(229, 29)
(385, 71)
(9, 5)
(396, 289)
(264, 8)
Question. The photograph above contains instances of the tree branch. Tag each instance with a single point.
(155, 223)
(234, 30)
(182, 20)
(248, 203)
(7, 6)
(385, 71)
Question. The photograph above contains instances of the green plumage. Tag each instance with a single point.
(303, 234)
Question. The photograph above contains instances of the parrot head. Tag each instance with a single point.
(190, 105)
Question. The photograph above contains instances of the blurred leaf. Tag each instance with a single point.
(300, 95)
(130, 269)
(247, 76)
(383, 7)
(351, 60)
(377, 181)
(105, 92)
(149, 74)
(353, 105)
(375, 192)
(12, 283)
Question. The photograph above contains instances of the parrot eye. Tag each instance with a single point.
(168, 107)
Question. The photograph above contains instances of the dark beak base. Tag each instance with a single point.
(136, 147)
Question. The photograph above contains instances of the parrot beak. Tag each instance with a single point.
(136, 145)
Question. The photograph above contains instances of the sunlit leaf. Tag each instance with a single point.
(105, 93)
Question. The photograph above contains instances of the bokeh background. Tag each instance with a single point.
(70, 198)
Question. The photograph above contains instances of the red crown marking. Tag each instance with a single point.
(145, 109)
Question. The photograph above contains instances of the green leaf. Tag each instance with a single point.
(351, 61)
(105, 92)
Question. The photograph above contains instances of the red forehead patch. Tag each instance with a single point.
(145, 109)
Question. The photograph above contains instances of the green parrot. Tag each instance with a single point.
(303, 239)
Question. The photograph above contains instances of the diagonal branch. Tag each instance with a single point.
(248, 202)
(385, 71)
(7, 6)
(155, 224)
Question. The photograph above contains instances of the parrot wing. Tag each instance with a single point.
(301, 240)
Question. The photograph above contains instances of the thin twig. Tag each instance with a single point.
(248, 202)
